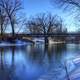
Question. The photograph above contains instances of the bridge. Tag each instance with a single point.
(50, 35)
(29, 37)
(45, 36)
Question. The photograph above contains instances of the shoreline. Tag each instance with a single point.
(56, 42)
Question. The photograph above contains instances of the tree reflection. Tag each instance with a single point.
(13, 56)
(54, 52)
(6, 72)
(2, 59)
(46, 54)
(36, 53)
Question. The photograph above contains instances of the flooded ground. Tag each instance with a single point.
(36, 62)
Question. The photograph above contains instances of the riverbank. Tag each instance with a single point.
(56, 42)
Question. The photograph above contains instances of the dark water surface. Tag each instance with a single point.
(30, 62)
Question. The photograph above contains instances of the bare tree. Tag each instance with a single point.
(45, 24)
(71, 6)
(2, 21)
(11, 7)
(65, 2)
(21, 25)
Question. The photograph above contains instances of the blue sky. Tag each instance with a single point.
(33, 7)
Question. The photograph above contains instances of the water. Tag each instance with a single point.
(33, 62)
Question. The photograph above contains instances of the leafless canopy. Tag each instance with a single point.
(76, 3)
(11, 7)
(45, 23)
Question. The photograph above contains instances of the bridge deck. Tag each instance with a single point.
(50, 35)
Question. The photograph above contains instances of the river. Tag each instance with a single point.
(34, 61)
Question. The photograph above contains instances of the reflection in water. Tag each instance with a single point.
(4, 71)
(32, 61)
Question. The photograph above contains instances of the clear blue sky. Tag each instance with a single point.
(33, 7)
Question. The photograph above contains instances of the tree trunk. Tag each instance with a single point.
(12, 26)
(46, 40)
(12, 38)
(1, 31)
(13, 32)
